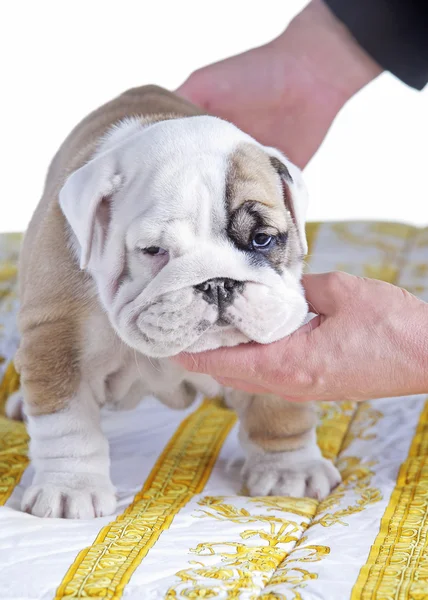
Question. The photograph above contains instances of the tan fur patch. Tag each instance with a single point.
(251, 177)
(276, 425)
(48, 360)
(256, 202)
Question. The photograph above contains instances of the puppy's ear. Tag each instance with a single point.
(294, 192)
(85, 200)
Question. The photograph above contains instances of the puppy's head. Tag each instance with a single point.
(193, 233)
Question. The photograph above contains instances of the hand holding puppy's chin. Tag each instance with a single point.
(246, 366)
(365, 344)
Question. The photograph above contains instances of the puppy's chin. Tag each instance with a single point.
(218, 337)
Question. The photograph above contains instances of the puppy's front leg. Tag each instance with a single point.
(282, 455)
(68, 450)
(70, 456)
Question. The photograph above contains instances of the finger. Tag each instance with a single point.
(238, 362)
(247, 362)
(245, 386)
(325, 292)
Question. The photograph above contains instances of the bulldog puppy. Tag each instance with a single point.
(160, 230)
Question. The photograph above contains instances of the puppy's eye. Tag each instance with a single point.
(154, 251)
(262, 241)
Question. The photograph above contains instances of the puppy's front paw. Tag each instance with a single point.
(68, 501)
(285, 474)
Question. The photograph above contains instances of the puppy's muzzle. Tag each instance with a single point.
(219, 291)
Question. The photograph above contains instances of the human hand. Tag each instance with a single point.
(287, 93)
(369, 340)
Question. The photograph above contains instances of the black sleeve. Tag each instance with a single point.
(393, 32)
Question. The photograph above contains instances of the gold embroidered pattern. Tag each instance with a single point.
(9, 250)
(333, 426)
(356, 477)
(13, 456)
(295, 577)
(245, 567)
(396, 566)
(13, 435)
(181, 471)
(388, 238)
(8, 272)
(13, 440)
(278, 530)
(8, 385)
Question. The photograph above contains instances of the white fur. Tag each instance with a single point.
(296, 473)
(68, 450)
(165, 186)
(70, 456)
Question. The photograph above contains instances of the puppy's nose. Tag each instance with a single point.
(218, 291)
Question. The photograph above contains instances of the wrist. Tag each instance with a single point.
(323, 46)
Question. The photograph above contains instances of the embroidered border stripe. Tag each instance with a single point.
(8, 385)
(396, 566)
(13, 435)
(182, 470)
(13, 456)
(13, 441)
(246, 568)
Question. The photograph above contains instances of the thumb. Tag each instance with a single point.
(237, 362)
(212, 362)
(197, 363)
(323, 291)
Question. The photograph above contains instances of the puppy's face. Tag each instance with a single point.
(194, 234)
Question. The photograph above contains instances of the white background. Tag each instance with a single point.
(60, 60)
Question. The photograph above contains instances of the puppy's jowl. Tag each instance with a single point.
(157, 233)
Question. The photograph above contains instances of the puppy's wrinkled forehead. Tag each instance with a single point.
(251, 177)
(202, 181)
(202, 163)
(161, 193)
(256, 202)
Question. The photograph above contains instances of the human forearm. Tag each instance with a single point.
(288, 92)
(324, 47)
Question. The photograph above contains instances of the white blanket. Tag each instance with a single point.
(184, 529)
